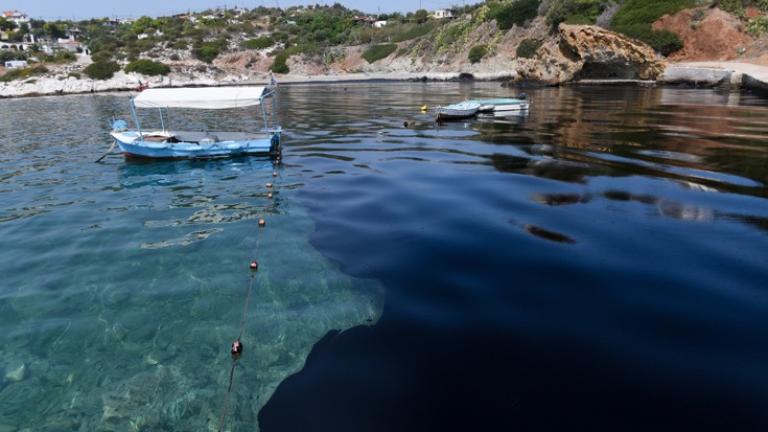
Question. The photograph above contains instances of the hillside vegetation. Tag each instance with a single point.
(321, 34)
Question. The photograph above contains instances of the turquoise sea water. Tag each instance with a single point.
(597, 264)
(123, 284)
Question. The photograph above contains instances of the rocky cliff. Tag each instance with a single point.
(582, 51)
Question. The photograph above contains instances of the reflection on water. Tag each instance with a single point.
(598, 264)
(609, 229)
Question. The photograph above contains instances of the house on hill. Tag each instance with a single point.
(17, 17)
(365, 19)
(443, 14)
(16, 64)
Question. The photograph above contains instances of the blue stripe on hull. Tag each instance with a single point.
(190, 150)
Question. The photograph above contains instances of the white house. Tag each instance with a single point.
(238, 11)
(380, 23)
(442, 14)
(17, 17)
(15, 64)
(71, 46)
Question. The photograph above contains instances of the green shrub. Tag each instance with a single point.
(258, 43)
(734, 7)
(74, 75)
(514, 13)
(421, 16)
(378, 52)
(758, 26)
(663, 41)
(635, 12)
(61, 57)
(574, 11)
(208, 51)
(579, 20)
(763, 5)
(101, 70)
(412, 31)
(23, 73)
(528, 48)
(279, 64)
(101, 57)
(477, 53)
(8, 55)
(180, 44)
(147, 67)
(635, 18)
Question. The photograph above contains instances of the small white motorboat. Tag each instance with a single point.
(458, 111)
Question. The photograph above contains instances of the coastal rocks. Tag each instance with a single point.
(700, 76)
(56, 84)
(707, 34)
(583, 51)
(248, 60)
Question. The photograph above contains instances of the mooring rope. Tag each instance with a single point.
(237, 346)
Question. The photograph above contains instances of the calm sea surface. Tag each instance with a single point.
(598, 264)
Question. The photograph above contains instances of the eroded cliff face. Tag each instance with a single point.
(707, 34)
(582, 51)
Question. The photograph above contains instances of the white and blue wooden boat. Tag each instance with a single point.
(458, 111)
(499, 105)
(178, 144)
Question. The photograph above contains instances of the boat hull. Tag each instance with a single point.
(133, 147)
(511, 107)
(458, 111)
(502, 105)
(455, 115)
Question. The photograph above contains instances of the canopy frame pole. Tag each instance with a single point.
(162, 123)
(263, 112)
(136, 119)
(274, 84)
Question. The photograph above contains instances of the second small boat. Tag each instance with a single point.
(458, 111)
(500, 105)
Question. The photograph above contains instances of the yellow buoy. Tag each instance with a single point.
(424, 108)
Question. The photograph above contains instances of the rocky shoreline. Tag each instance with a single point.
(728, 75)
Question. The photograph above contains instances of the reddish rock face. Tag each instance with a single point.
(752, 12)
(707, 34)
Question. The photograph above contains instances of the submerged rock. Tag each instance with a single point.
(16, 373)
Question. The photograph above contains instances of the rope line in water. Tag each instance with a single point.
(237, 343)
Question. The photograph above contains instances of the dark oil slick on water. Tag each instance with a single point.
(599, 264)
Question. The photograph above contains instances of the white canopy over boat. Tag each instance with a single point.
(199, 98)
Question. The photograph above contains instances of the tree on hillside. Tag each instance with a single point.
(142, 24)
(6, 25)
(53, 30)
(421, 16)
